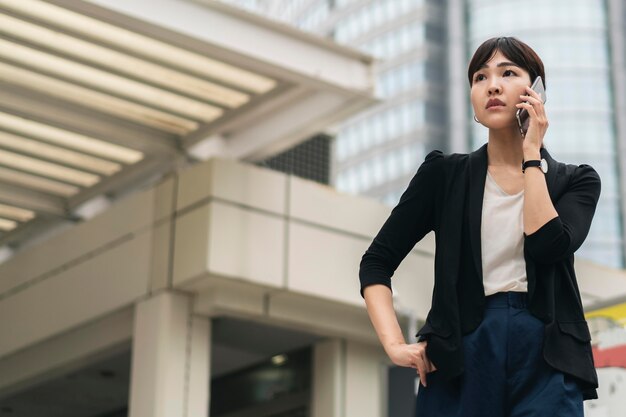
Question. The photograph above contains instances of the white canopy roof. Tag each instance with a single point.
(96, 96)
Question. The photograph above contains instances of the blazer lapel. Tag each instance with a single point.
(478, 161)
(477, 177)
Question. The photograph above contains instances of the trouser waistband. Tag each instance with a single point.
(507, 299)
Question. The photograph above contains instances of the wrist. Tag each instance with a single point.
(393, 344)
(532, 153)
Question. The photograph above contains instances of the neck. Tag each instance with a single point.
(505, 148)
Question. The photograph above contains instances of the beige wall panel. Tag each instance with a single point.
(163, 239)
(164, 198)
(234, 181)
(194, 184)
(230, 297)
(600, 282)
(320, 316)
(324, 205)
(127, 216)
(246, 244)
(82, 293)
(162, 245)
(427, 244)
(365, 380)
(191, 245)
(324, 263)
(413, 282)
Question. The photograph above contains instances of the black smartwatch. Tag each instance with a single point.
(542, 164)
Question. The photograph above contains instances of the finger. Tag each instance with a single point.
(528, 107)
(423, 378)
(535, 99)
(531, 110)
(425, 361)
(530, 99)
(421, 372)
(532, 92)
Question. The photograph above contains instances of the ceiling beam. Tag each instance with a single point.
(78, 119)
(239, 38)
(38, 202)
(291, 124)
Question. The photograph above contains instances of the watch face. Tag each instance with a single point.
(544, 165)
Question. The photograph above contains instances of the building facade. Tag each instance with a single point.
(423, 49)
(573, 39)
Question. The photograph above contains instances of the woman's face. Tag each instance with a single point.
(505, 83)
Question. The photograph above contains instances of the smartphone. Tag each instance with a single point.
(523, 118)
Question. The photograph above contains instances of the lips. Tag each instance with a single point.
(494, 102)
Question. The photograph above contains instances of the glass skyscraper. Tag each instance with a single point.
(424, 48)
(572, 39)
(376, 153)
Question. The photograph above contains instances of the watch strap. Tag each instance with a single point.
(531, 163)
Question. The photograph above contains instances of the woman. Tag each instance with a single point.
(506, 333)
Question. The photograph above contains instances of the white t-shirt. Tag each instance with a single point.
(502, 240)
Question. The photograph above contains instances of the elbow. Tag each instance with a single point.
(554, 252)
(551, 243)
(374, 270)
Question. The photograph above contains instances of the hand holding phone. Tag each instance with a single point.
(523, 118)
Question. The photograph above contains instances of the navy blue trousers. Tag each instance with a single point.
(505, 373)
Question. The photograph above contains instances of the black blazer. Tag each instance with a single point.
(445, 196)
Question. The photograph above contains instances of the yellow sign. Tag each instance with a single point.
(617, 313)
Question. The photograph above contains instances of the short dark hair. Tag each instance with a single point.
(514, 49)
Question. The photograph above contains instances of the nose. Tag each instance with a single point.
(494, 86)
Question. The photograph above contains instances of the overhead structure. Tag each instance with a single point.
(98, 96)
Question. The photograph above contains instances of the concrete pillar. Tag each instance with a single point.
(349, 379)
(366, 380)
(170, 360)
(327, 399)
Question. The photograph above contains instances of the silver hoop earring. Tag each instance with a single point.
(477, 121)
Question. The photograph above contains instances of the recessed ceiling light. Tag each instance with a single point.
(279, 359)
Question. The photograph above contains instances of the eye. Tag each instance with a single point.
(477, 76)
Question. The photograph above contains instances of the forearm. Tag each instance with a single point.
(538, 208)
(380, 309)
